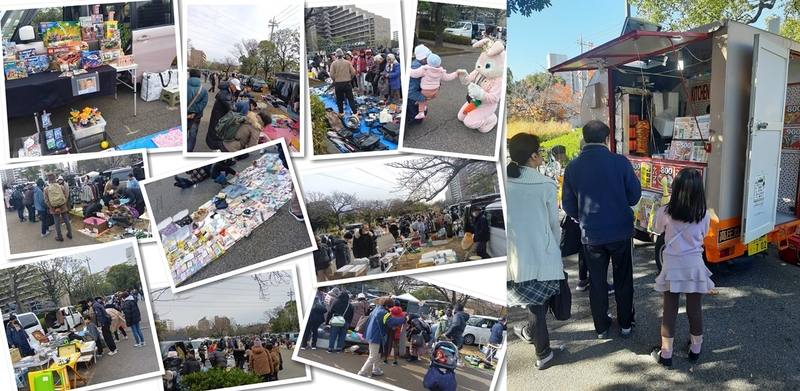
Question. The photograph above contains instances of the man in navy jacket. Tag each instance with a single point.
(105, 323)
(599, 189)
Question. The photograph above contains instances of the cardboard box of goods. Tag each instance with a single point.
(343, 271)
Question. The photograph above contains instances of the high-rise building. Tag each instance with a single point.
(14, 175)
(347, 22)
(169, 324)
(196, 58)
(130, 256)
(459, 188)
(28, 289)
(203, 324)
(576, 80)
(222, 323)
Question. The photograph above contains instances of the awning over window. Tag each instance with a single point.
(630, 47)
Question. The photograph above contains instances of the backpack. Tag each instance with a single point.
(228, 125)
(56, 195)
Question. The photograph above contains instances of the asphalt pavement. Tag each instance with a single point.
(441, 131)
(129, 360)
(406, 375)
(749, 341)
(281, 234)
(121, 125)
(26, 237)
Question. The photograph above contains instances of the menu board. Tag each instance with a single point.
(651, 171)
(791, 121)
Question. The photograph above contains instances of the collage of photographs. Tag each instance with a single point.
(362, 194)
(337, 166)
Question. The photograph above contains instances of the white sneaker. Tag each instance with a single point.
(112, 353)
(126, 337)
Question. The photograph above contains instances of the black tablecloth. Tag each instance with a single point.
(45, 91)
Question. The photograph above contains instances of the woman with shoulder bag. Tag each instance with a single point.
(339, 317)
(534, 266)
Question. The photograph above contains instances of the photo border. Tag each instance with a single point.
(5, 237)
(401, 42)
(195, 163)
(5, 143)
(149, 310)
(502, 104)
(292, 267)
(499, 368)
(184, 90)
(408, 272)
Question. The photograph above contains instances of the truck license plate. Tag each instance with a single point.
(757, 245)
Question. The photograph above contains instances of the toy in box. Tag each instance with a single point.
(111, 56)
(26, 54)
(15, 70)
(87, 29)
(9, 51)
(97, 18)
(60, 33)
(124, 61)
(111, 30)
(91, 59)
(38, 64)
(65, 58)
(110, 44)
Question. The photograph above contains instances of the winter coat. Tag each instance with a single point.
(457, 324)
(100, 313)
(195, 86)
(28, 199)
(431, 76)
(360, 308)
(275, 355)
(342, 307)
(342, 71)
(372, 65)
(496, 337)
(322, 258)
(363, 244)
(246, 135)
(481, 227)
(361, 64)
(330, 298)
(419, 326)
(260, 361)
(190, 366)
(217, 358)
(376, 325)
(342, 253)
(222, 105)
(117, 318)
(47, 198)
(131, 311)
(317, 315)
(38, 199)
(440, 328)
(19, 338)
(94, 332)
(394, 76)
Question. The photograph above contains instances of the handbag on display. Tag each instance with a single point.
(561, 303)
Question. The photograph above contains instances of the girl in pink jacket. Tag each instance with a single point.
(431, 76)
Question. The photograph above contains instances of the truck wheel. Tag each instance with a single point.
(659, 244)
(740, 264)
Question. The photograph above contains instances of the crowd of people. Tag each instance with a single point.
(258, 354)
(51, 199)
(383, 325)
(535, 266)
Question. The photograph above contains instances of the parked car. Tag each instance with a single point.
(30, 322)
(497, 230)
(257, 84)
(354, 226)
(151, 25)
(466, 28)
(72, 319)
(478, 329)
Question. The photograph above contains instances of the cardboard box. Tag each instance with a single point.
(124, 61)
(15, 70)
(358, 271)
(91, 59)
(95, 224)
(38, 64)
(60, 33)
(15, 356)
(343, 271)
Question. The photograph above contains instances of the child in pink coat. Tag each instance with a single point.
(431, 76)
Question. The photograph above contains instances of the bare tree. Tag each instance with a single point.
(227, 63)
(71, 269)
(271, 279)
(155, 295)
(448, 295)
(51, 276)
(341, 202)
(247, 53)
(13, 279)
(397, 285)
(368, 209)
(287, 47)
(220, 327)
(425, 178)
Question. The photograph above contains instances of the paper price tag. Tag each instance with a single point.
(645, 174)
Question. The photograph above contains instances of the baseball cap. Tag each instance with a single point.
(236, 83)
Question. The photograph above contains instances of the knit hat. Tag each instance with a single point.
(257, 342)
(348, 235)
(434, 60)
(421, 52)
(339, 53)
(40, 182)
(335, 292)
(396, 311)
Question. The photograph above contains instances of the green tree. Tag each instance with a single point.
(526, 7)
(161, 330)
(122, 276)
(51, 275)
(267, 58)
(287, 48)
(681, 15)
(284, 319)
(32, 173)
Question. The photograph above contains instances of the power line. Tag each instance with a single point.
(288, 15)
(346, 180)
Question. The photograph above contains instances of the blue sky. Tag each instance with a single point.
(557, 30)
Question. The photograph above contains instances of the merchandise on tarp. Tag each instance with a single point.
(165, 139)
(261, 189)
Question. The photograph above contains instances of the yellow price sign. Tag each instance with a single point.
(757, 245)
(646, 174)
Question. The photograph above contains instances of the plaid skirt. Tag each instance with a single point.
(531, 292)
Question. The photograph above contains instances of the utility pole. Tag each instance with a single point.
(290, 294)
(272, 24)
(88, 265)
(582, 74)
(627, 9)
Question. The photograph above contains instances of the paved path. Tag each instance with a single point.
(281, 234)
(406, 375)
(750, 336)
(27, 237)
(441, 131)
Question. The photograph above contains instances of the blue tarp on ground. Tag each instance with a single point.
(331, 104)
(144, 142)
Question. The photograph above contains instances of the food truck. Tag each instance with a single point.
(724, 99)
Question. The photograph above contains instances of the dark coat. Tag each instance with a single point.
(364, 244)
(322, 258)
(317, 316)
(481, 229)
(100, 313)
(342, 307)
(191, 366)
(217, 358)
(342, 252)
(28, 200)
(131, 311)
(223, 103)
(19, 338)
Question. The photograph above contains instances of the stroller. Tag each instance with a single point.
(441, 375)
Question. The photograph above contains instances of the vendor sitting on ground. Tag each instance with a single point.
(195, 176)
(121, 215)
(221, 170)
(135, 197)
(90, 209)
(249, 131)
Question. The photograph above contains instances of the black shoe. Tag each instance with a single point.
(522, 333)
(547, 362)
(656, 354)
(693, 357)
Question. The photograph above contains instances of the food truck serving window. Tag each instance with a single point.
(630, 47)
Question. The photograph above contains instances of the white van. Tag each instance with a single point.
(466, 28)
(30, 322)
(497, 230)
(72, 319)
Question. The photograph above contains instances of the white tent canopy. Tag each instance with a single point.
(407, 297)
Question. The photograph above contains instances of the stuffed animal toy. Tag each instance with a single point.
(485, 86)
